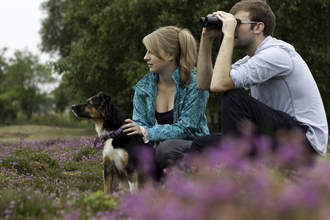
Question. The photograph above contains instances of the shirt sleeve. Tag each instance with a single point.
(269, 63)
(145, 135)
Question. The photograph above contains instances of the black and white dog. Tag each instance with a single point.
(119, 149)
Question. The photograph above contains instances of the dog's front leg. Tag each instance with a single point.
(133, 182)
(108, 174)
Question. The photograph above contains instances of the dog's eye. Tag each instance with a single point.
(89, 104)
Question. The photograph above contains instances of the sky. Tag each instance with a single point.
(20, 22)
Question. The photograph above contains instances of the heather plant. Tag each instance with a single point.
(41, 166)
(278, 182)
(98, 201)
(50, 178)
(38, 205)
(246, 178)
(27, 204)
(21, 165)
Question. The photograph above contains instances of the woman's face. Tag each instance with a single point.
(156, 64)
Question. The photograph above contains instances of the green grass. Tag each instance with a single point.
(19, 133)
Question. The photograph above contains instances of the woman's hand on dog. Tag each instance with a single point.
(131, 128)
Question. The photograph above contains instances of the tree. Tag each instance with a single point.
(106, 53)
(3, 64)
(21, 87)
(61, 100)
(7, 110)
(56, 36)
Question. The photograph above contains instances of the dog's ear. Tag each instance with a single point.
(96, 100)
(104, 104)
(104, 98)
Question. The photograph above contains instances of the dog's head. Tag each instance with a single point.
(101, 110)
(93, 108)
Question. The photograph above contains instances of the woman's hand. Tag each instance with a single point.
(131, 128)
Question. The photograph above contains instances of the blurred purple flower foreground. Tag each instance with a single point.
(238, 179)
(226, 183)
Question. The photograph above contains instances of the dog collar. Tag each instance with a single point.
(114, 134)
(106, 137)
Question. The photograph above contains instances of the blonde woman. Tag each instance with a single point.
(169, 109)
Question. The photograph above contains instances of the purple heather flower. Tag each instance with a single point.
(146, 157)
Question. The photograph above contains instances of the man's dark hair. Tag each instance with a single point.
(259, 11)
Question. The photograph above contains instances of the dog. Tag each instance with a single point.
(119, 149)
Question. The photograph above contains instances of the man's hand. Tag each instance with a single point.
(229, 22)
(211, 33)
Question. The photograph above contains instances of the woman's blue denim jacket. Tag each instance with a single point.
(189, 120)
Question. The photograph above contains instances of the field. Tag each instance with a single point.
(61, 178)
(17, 133)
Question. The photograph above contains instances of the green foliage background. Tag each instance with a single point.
(20, 80)
(100, 41)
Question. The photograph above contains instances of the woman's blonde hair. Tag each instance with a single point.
(177, 41)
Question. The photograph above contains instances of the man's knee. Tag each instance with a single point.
(232, 96)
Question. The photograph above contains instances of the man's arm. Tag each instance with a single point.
(221, 80)
(204, 63)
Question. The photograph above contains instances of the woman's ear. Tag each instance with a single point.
(171, 56)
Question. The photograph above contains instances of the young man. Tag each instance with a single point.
(284, 92)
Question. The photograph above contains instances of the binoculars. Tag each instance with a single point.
(210, 22)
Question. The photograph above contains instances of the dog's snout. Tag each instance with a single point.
(74, 109)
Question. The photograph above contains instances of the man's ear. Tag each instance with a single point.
(259, 28)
